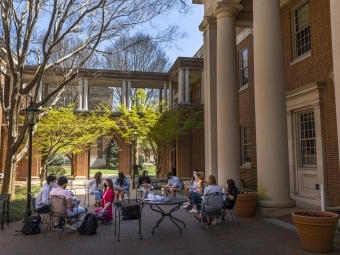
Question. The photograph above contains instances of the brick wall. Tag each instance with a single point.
(317, 67)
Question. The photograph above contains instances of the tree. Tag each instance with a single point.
(112, 154)
(139, 52)
(64, 132)
(157, 130)
(59, 36)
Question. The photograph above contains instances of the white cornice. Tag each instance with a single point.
(241, 36)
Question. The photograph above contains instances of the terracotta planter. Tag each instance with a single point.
(316, 232)
(246, 204)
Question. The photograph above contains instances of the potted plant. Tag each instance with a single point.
(246, 204)
(316, 229)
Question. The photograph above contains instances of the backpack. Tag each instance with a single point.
(32, 226)
(89, 225)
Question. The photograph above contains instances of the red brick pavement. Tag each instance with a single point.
(254, 236)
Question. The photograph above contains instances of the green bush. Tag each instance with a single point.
(57, 170)
(17, 207)
(58, 161)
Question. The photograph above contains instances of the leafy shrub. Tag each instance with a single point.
(58, 161)
(57, 170)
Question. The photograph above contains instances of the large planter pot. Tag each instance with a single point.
(246, 204)
(316, 229)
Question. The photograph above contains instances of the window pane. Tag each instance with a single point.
(307, 139)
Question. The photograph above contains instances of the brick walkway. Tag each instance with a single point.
(254, 236)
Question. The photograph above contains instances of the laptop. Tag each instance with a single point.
(100, 187)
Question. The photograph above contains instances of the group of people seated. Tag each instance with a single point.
(198, 189)
(53, 188)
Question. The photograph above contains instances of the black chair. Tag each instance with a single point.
(45, 215)
(58, 208)
(208, 200)
(4, 199)
(126, 212)
(180, 190)
(231, 208)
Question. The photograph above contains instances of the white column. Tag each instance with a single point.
(180, 90)
(335, 21)
(187, 85)
(208, 27)
(228, 128)
(86, 95)
(165, 91)
(270, 107)
(171, 95)
(123, 93)
(80, 95)
(202, 87)
(40, 91)
(128, 96)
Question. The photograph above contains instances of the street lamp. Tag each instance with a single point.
(135, 167)
(31, 117)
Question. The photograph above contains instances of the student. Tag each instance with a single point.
(216, 201)
(95, 188)
(121, 186)
(42, 203)
(107, 201)
(72, 209)
(173, 183)
(144, 181)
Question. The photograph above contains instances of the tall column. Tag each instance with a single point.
(187, 85)
(128, 96)
(80, 95)
(202, 87)
(123, 93)
(171, 95)
(228, 128)
(270, 107)
(165, 91)
(335, 21)
(40, 91)
(180, 90)
(208, 27)
(86, 95)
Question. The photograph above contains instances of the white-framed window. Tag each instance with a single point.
(301, 29)
(244, 74)
(307, 141)
(245, 132)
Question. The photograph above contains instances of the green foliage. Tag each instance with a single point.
(58, 161)
(112, 154)
(18, 204)
(157, 130)
(57, 170)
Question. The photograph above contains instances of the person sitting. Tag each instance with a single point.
(121, 186)
(95, 188)
(42, 203)
(215, 201)
(192, 184)
(107, 201)
(144, 182)
(72, 208)
(231, 194)
(196, 194)
(172, 185)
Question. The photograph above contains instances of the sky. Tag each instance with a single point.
(188, 46)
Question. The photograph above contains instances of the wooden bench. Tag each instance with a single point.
(4, 199)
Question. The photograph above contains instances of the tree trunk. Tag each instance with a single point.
(43, 171)
(8, 184)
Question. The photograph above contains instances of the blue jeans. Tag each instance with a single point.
(195, 198)
(97, 193)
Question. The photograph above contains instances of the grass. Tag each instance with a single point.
(150, 169)
(17, 206)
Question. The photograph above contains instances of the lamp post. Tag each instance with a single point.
(134, 168)
(31, 116)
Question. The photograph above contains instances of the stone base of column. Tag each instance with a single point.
(276, 203)
(35, 180)
(80, 178)
(276, 212)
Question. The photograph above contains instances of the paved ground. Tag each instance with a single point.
(254, 236)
